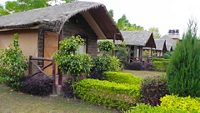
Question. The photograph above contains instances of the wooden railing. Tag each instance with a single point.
(33, 61)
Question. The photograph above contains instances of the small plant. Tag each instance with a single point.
(184, 69)
(160, 64)
(40, 85)
(106, 63)
(106, 46)
(153, 89)
(13, 64)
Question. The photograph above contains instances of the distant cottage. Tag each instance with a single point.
(40, 30)
(136, 41)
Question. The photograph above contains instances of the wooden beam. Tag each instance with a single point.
(93, 24)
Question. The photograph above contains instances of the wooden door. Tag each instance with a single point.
(50, 48)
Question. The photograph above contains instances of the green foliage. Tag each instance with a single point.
(70, 45)
(106, 63)
(142, 108)
(160, 64)
(13, 64)
(24, 5)
(167, 55)
(184, 69)
(111, 94)
(2, 80)
(170, 104)
(122, 53)
(122, 77)
(69, 61)
(106, 46)
(188, 104)
(124, 24)
(155, 31)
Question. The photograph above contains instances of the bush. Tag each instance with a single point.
(184, 69)
(142, 108)
(160, 64)
(13, 64)
(153, 89)
(68, 89)
(188, 104)
(106, 63)
(69, 61)
(170, 104)
(39, 84)
(2, 80)
(135, 65)
(106, 46)
(122, 77)
(107, 93)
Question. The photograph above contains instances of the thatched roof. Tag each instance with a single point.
(138, 38)
(170, 42)
(61, 13)
(161, 45)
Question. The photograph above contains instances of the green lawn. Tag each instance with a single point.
(145, 74)
(16, 102)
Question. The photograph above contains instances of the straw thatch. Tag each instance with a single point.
(56, 16)
(138, 38)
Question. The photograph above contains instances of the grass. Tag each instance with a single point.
(145, 74)
(16, 102)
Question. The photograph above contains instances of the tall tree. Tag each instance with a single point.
(155, 32)
(3, 11)
(124, 24)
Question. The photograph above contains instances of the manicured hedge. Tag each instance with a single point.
(170, 104)
(160, 64)
(122, 77)
(110, 94)
(142, 108)
(184, 103)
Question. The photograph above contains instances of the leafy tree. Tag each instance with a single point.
(155, 32)
(24, 5)
(124, 24)
(184, 69)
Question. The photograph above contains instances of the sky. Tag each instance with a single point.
(163, 14)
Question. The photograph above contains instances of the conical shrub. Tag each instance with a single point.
(183, 73)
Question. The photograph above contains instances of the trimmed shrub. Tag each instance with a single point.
(122, 77)
(160, 64)
(170, 104)
(153, 89)
(39, 84)
(110, 94)
(135, 65)
(142, 108)
(13, 64)
(184, 69)
(188, 104)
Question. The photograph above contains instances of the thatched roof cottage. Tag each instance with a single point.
(136, 41)
(40, 30)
